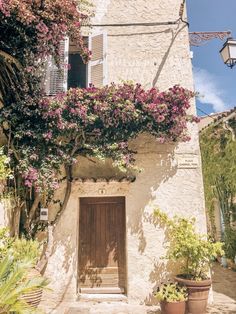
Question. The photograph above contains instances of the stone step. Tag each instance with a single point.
(111, 308)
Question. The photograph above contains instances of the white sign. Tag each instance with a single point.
(44, 214)
(188, 161)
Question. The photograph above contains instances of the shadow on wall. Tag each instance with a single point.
(61, 263)
(159, 170)
(161, 268)
(165, 57)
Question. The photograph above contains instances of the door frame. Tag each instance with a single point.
(78, 241)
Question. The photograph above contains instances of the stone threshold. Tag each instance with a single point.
(98, 298)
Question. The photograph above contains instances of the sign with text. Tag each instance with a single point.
(188, 161)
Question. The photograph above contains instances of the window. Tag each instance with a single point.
(78, 71)
(78, 74)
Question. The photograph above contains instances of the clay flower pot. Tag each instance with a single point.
(198, 292)
(173, 307)
(33, 297)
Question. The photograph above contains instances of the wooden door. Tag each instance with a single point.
(102, 245)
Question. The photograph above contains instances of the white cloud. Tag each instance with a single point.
(210, 93)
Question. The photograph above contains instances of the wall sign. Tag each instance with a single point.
(188, 161)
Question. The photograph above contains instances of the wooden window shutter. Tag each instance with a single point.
(56, 79)
(97, 65)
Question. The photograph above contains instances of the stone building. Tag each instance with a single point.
(107, 246)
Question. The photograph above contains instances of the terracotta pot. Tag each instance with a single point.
(173, 307)
(198, 292)
(33, 297)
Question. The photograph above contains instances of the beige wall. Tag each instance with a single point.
(162, 59)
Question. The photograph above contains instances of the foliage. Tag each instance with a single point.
(229, 239)
(10, 74)
(13, 284)
(92, 122)
(26, 250)
(218, 149)
(5, 170)
(5, 242)
(30, 32)
(171, 292)
(193, 250)
(22, 250)
(35, 28)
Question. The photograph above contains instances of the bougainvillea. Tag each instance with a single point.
(31, 31)
(35, 28)
(93, 122)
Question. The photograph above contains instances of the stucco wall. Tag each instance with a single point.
(154, 56)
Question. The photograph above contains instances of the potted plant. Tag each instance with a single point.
(28, 251)
(14, 284)
(172, 298)
(195, 253)
(24, 252)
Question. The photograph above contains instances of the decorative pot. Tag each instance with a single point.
(198, 292)
(173, 307)
(33, 297)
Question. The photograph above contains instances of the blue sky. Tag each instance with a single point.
(213, 79)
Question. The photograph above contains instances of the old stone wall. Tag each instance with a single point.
(154, 56)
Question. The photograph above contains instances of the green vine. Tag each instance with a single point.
(218, 147)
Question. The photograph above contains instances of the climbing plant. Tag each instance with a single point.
(30, 32)
(218, 149)
(95, 122)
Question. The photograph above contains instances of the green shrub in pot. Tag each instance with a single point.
(194, 253)
(172, 298)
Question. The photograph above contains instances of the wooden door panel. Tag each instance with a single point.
(102, 244)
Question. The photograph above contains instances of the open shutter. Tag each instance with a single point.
(56, 79)
(97, 65)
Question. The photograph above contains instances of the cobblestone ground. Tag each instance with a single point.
(224, 291)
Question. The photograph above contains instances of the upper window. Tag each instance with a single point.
(74, 73)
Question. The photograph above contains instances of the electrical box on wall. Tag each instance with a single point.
(44, 214)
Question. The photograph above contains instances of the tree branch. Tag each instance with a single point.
(68, 169)
(32, 210)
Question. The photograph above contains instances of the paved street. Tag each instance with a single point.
(224, 287)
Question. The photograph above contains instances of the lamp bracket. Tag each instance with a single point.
(200, 38)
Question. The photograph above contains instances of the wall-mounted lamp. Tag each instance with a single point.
(228, 52)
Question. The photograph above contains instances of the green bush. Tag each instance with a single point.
(5, 242)
(230, 243)
(193, 250)
(22, 250)
(26, 250)
(171, 292)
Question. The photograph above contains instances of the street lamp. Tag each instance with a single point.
(228, 52)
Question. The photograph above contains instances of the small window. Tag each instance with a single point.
(79, 74)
